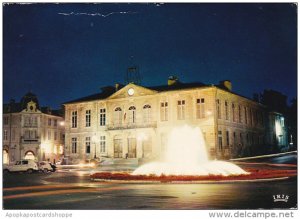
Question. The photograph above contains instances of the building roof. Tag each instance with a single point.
(16, 107)
(108, 91)
(177, 86)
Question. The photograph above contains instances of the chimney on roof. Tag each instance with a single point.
(117, 86)
(226, 84)
(172, 80)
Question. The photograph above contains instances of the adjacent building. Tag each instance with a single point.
(31, 131)
(133, 121)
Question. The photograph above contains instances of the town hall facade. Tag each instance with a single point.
(133, 121)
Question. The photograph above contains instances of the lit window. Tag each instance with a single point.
(118, 116)
(200, 108)
(164, 111)
(220, 140)
(181, 109)
(226, 111)
(88, 118)
(102, 144)
(74, 145)
(74, 119)
(132, 114)
(147, 113)
(88, 145)
(102, 117)
(227, 138)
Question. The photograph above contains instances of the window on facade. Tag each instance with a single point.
(88, 145)
(226, 111)
(233, 112)
(234, 138)
(102, 117)
(245, 113)
(200, 108)
(250, 115)
(181, 109)
(5, 137)
(49, 135)
(35, 121)
(132, 114)
(6, 120)
(147, 113)
(241, 139)
(164, 111)
(102, 144)
(27, 134)
(13, 134)
(55, 122)
(49, 122)
(74, 145)
(240, 114)
(118, 116)
(74, 119)
(227, 138)
(55, 136)
(88, 118)
(220, 140)
(218, 108)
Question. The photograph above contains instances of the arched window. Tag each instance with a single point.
(147, 113)
(132, 116)
(118, 116)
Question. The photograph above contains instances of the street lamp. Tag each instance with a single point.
(94, 140)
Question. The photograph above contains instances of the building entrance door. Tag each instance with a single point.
(118, 152)
(131, 148)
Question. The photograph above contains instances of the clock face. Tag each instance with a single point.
(130, 91)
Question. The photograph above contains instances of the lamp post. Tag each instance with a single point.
(94, 140)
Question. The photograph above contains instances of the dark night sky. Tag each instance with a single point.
(63, 57)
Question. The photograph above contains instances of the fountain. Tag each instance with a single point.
(186, 154)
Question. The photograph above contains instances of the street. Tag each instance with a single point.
(74, 190)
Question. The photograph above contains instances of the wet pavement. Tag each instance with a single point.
(72, 189)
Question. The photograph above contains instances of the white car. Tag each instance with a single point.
(22, 166)
(45, 166)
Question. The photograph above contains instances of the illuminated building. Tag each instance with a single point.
(31, 131)
(133, 121)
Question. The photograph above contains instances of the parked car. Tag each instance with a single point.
(46, 166)
(22, 166)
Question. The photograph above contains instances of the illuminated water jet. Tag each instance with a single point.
(186, 154)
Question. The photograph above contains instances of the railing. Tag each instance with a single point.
(30, 140)
(30, 125)
(151, 124)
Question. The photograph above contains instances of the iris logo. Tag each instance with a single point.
(280, 198)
